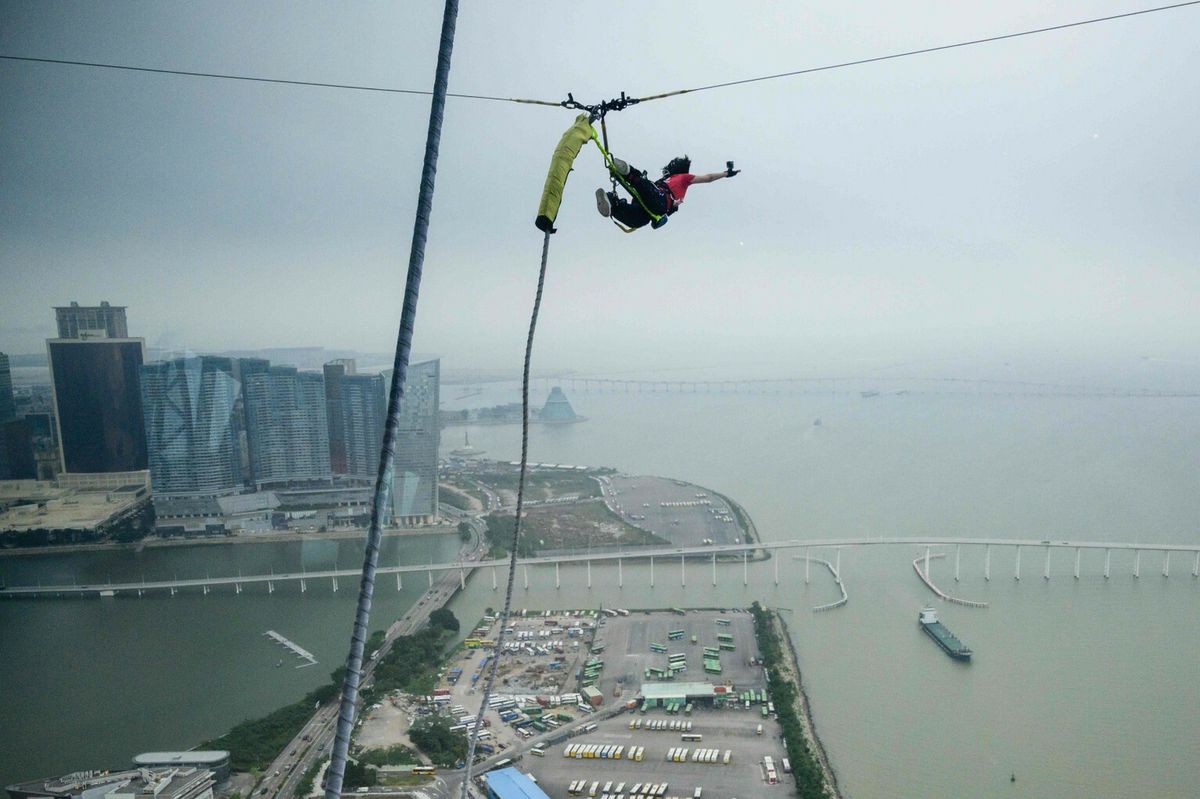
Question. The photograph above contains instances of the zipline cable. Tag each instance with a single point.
(516, 537)
(284, 81)
(922, 51)
(726, 84)
(387, 455)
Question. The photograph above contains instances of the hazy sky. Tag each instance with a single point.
(1028, 196)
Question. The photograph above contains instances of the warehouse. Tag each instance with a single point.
(508, 783)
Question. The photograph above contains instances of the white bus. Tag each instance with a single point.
(787, 767)
(728, 756)
(691, 736)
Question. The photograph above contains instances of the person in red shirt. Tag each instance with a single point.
(662, 197)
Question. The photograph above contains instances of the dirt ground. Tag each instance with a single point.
(583, 524)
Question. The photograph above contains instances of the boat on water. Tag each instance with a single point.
(941, 634)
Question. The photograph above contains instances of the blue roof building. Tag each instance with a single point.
(508, 783)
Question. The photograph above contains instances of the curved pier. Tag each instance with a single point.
(837, 578)
(971, 603)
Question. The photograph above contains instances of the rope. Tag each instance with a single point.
(283, 81)
(512, 557)
(387, 455)
(922, 51)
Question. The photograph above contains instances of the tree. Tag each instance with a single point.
(464, 531)
(432, 736)
(444, 618)
(359, 776)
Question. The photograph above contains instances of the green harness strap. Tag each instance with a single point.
(608, 161)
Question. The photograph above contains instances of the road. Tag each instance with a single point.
(313, 742)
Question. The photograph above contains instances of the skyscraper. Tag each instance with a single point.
(189, 406)
(355, 406)
(17, 461)
(91, 321)
(98, 403)
(334, 372)
(286, 425)
(8, 407)
(362, 411)
(415, 488)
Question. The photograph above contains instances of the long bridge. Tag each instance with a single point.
(725, 552)
(867, 386)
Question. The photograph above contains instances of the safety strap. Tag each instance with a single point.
(608, 161)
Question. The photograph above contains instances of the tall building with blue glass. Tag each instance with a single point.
(363, 408)
(415, 488)
(286, 425)
(190, 411)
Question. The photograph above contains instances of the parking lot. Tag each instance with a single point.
(627, 654)
(684, 514)
(729, 730)
(536, 680)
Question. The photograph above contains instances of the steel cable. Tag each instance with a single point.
(387, 455)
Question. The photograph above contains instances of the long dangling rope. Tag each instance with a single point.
(387, 455)
(516, 537)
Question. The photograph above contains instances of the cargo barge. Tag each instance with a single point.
(942, 635)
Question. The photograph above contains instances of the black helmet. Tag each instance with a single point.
(678, 166)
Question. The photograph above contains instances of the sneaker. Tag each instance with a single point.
(602, 203)
(620, 167)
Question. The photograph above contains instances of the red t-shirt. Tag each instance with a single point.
(678, 184)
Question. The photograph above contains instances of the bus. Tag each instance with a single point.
(679, 611)
(691, 736)
(723, 622)
(502, 763)
(769, 767)
(787, 767)
(424, 771)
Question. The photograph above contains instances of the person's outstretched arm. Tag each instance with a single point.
(711, 176)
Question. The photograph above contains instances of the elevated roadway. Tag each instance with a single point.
(461, 568)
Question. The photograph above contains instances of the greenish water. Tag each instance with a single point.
(1081, 687)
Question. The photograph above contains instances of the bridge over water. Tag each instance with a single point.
(865, 385)
(723, 553)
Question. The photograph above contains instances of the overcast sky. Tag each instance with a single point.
(1027, 196)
